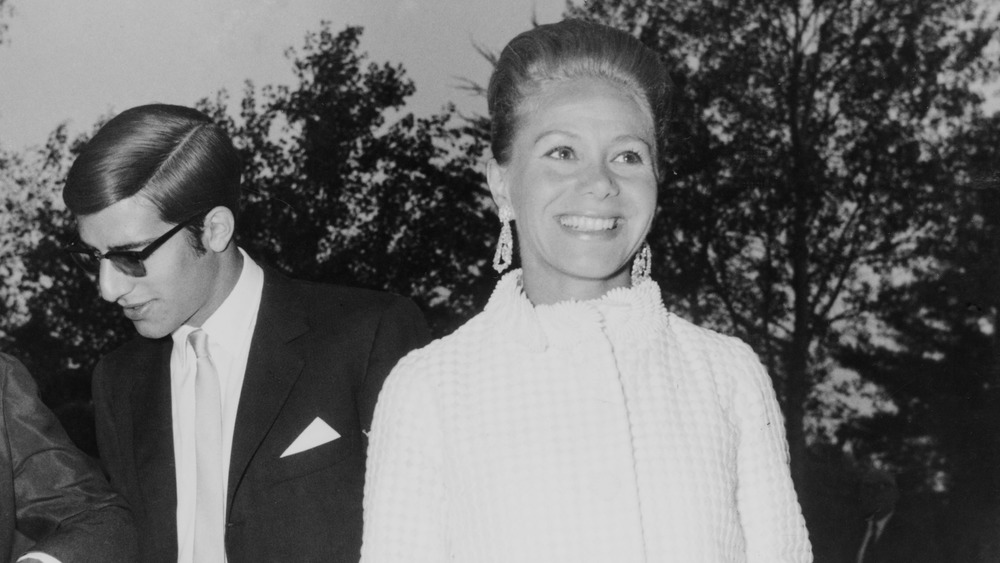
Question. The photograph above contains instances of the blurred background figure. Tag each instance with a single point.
(890, 531)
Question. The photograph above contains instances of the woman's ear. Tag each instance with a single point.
(496, 178)
(220, 227)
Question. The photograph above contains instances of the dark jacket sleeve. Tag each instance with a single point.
(104, 423)
(401, 328)
(62, 501)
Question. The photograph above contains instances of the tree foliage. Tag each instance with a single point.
(52, 318)
(806, 159)
(938, 356)
(335, 193)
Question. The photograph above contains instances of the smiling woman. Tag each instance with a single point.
(576, 418)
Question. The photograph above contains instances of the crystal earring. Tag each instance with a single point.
(505, 243)
(641, 265)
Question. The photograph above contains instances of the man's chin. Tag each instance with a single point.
(151, 330)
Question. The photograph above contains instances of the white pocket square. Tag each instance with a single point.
(316, 434)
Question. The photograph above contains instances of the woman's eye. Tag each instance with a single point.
(629, 157)
(561, 153)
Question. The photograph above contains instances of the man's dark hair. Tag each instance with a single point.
(174, 156)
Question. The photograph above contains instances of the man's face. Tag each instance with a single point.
(180, 286)
(878, 494)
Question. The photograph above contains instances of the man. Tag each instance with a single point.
(240, 410)
(891, 533)
(53, 502)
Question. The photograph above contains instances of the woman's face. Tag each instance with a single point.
(582, 185)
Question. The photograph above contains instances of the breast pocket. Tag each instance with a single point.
(316, 447)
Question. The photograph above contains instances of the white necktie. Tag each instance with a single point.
(210, 500)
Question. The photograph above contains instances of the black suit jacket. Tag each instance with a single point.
(317, 351)
(50, 492)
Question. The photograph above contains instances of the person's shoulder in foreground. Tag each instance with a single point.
(50, 492)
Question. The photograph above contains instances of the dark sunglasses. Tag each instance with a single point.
(129, 262)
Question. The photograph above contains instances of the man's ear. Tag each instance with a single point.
(496, 178)
(220, 227)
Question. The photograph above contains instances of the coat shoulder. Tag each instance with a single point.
(329, 305)
(706, 340)
(320, 296)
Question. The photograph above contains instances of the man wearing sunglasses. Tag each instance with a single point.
(234, 423)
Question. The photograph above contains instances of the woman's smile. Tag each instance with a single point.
(589, 224)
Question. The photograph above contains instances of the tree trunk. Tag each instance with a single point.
(797, 388)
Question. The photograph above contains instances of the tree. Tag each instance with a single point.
(806, 160)
(941, 361)
(337, 194)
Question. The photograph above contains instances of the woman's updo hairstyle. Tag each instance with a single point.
(569, 50)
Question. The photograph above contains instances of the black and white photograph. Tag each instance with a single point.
(479, 281)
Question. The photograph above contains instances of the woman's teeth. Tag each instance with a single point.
(579, 223)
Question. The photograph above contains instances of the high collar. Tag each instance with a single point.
(625, 312)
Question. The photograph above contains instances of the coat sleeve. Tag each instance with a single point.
(106, 429)
(62, 501)
(772, 521)
(405, 504)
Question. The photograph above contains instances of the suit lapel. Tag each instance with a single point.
(273, 367)
(154, 443)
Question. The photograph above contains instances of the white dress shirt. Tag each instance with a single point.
(229, 329)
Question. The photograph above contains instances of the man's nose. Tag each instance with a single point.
(113, 283)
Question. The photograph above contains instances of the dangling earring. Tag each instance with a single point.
(641, 265)
(505, 244)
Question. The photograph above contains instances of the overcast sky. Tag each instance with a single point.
(73, 60)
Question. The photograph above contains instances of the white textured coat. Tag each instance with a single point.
(605, 430)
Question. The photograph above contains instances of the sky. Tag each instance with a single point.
(75, 61)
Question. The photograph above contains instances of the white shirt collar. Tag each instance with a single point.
(233, 311)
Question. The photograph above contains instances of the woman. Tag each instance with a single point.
(575, 418)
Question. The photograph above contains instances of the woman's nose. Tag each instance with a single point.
(601, 181)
